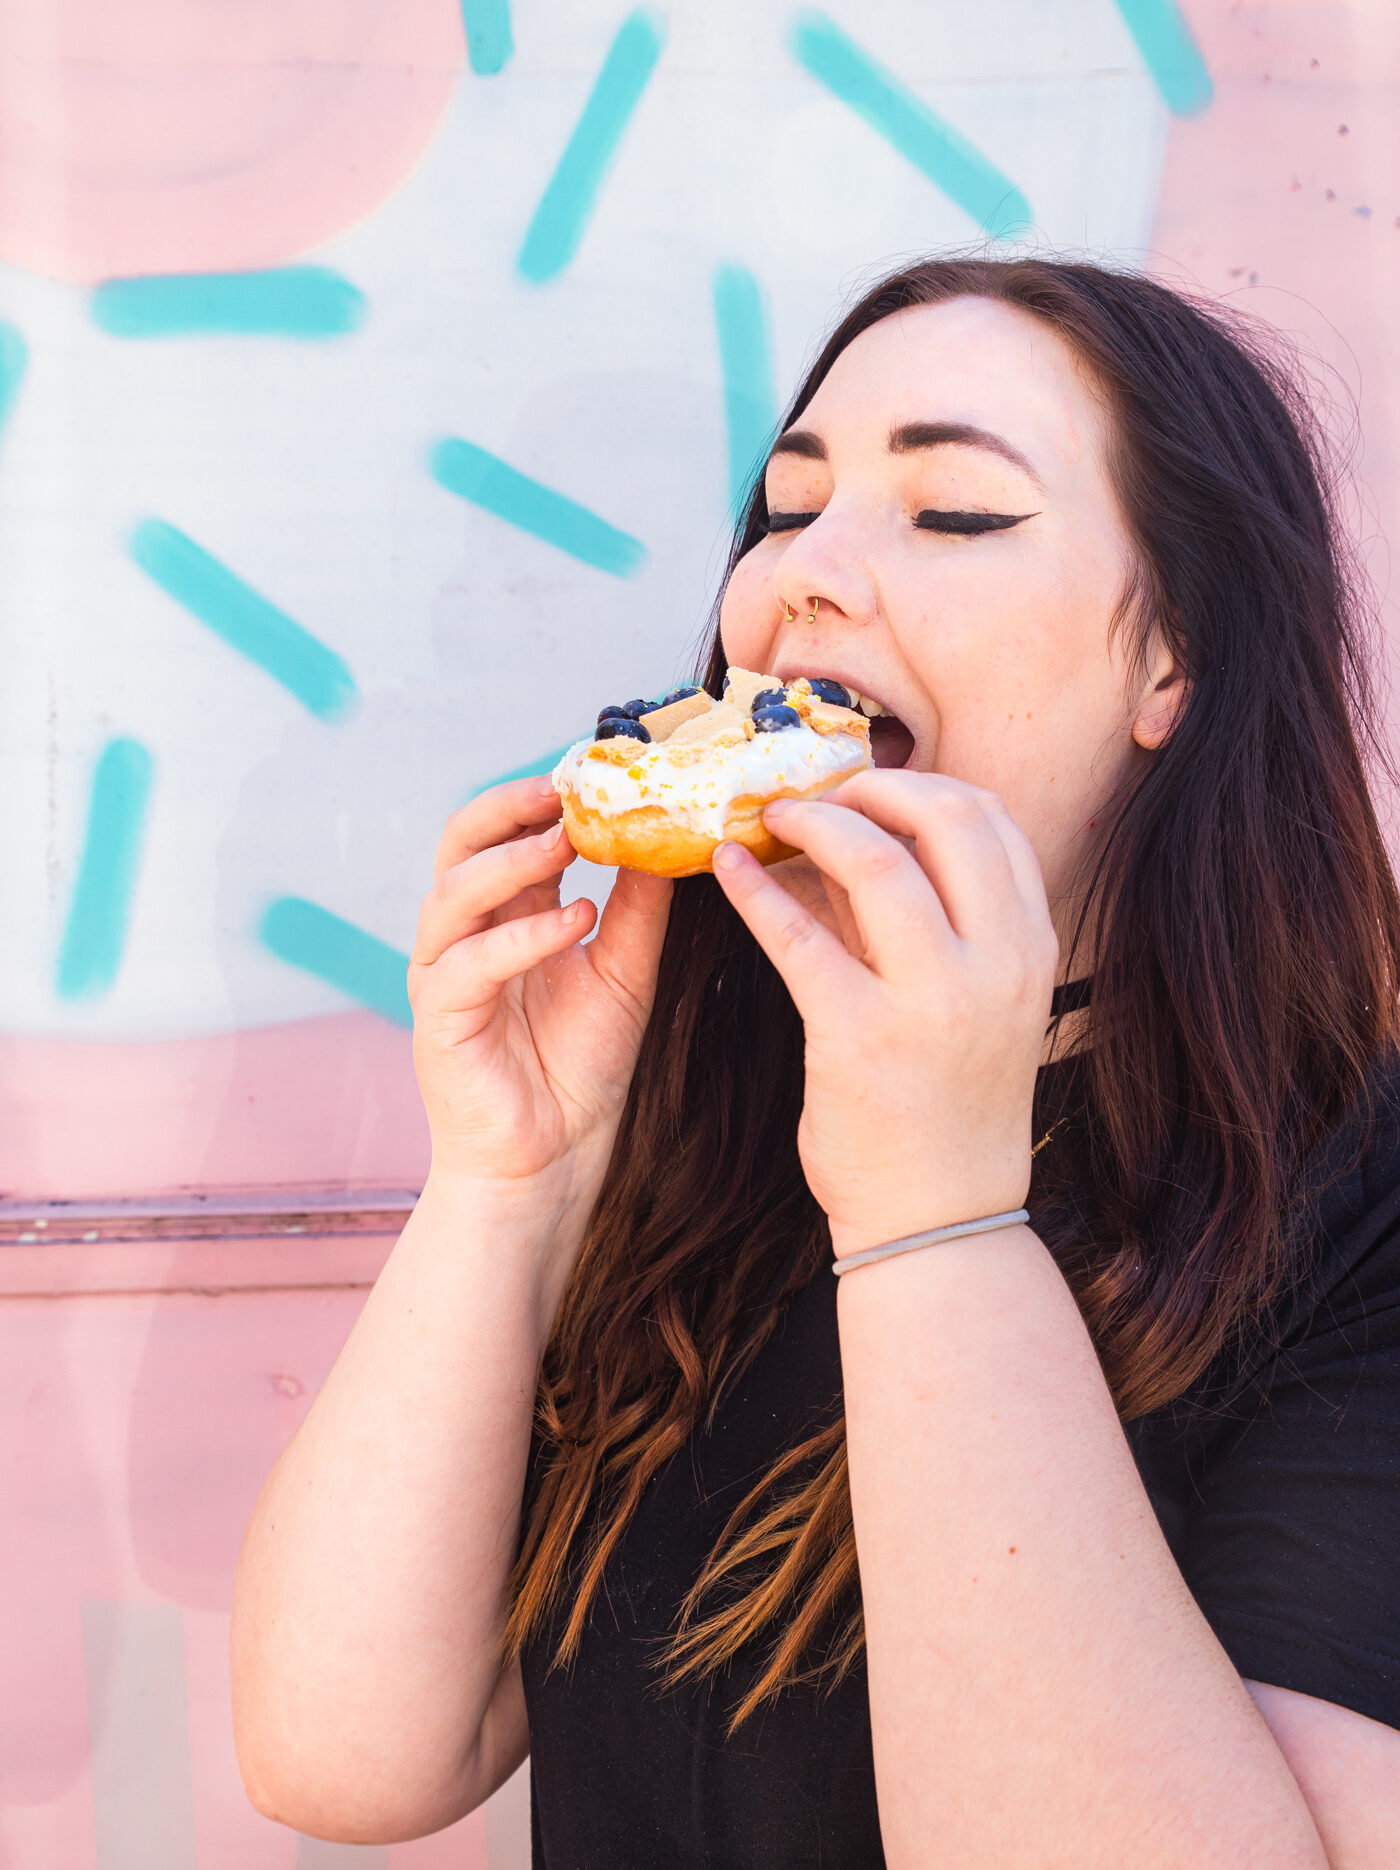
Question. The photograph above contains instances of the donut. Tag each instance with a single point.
(659, 784)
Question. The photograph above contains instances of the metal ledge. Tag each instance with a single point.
(274, 1240)
(266, 1214)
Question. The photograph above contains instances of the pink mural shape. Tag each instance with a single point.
(160, 136)
(60, 1549)
(322, 1103)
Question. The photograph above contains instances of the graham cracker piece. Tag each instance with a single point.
(661, 723)
(827, 717)
(721, 725)
(744, 684)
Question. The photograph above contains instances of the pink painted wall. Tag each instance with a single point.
(325, 1103)
(153, 136)
(1284, 198)
(135, 1430)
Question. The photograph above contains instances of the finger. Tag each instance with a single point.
(470, 974)
(1021, 854)
(492, 817)
(627, 948)
(847, 926)
(466, 898)
(901, 920)
(956, 843)
(814, 966)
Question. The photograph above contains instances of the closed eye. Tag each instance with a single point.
(934, 520)
(790, 522)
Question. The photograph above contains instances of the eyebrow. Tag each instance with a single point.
(909, 437)
(800, 442)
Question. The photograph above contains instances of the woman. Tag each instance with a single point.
(812, 1570)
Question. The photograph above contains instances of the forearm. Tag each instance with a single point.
(1043, 1688)
(370, 1596)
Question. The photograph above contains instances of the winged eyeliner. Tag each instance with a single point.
(932, 519)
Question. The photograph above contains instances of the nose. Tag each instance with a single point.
(823, 577)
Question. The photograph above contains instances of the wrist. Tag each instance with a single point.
(521, 1234)
(881, 1223)
(550, 1202)
(465, 1256)
(546, 1208)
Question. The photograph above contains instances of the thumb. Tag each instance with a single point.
(627, 948)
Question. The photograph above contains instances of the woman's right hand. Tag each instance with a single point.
(525, 1040)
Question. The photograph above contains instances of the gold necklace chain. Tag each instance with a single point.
(1053, 1130)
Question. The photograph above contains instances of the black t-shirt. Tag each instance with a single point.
(1277, 1486)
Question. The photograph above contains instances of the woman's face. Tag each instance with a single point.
(993, 649)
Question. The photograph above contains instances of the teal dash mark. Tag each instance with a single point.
(746, 364)
(473, 474)
(14, 356)
(532, 769)
(489, 40)
(1170, 54)
(554, 233)
(335, 951)
(286, 302)
(317, 676)
(908, 125)
(100, 911)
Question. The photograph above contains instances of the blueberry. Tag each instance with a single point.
(679, 694)
(634, 710)
(825, 689)
(769, 698)
(769, 720)
(611, 713)
(620, 726)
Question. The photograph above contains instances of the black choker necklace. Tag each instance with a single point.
(1072, 997)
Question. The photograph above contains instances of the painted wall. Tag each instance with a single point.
(294, 558)
(375, 380)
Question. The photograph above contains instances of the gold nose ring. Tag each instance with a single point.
(813, 617)
(789, 614)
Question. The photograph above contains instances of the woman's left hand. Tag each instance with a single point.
(926, 1018)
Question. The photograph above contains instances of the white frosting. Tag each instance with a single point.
(697, 792)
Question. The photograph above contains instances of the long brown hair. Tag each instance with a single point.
(1245, 934)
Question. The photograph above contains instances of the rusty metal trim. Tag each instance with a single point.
(265, 1215)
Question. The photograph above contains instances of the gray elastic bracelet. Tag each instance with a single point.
(933, 1238)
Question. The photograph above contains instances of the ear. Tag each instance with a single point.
(1162, 697)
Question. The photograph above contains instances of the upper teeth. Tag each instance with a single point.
(866, 703)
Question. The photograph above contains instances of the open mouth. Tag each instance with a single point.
(891, 743)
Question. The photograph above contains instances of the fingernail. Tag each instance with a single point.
(552, 837)
(777, 808)
(726, 856)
